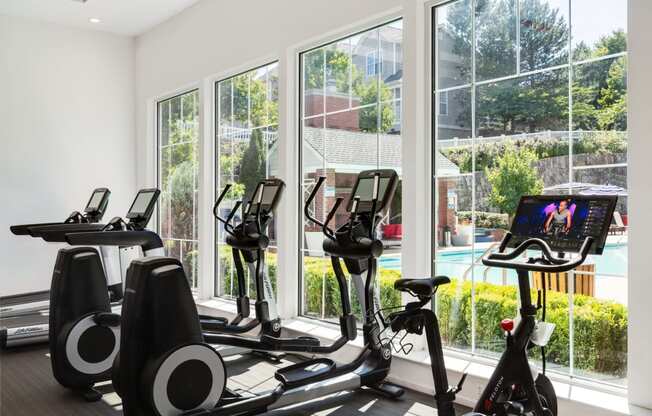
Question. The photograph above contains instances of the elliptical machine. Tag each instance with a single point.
(83, 332)
(168, 368)
(248, 241)
(516, 387)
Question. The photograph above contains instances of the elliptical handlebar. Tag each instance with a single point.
(218, 202)
(328, 232)
(548, 263)
(311, 197)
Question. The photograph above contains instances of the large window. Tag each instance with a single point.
(178, 136)
(350, 94)
(535, 103)
(246, 143)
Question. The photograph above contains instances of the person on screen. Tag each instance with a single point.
(559, 221)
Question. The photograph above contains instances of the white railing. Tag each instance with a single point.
(544, 135)
(242, 134)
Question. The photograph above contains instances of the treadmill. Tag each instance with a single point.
(23, 317)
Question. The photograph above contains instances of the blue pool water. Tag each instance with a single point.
(454, 263)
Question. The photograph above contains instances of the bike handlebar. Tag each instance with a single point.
(548, 263)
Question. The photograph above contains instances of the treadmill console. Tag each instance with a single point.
(564, 221)
(143, 207)
(97, 204)
(364, 190)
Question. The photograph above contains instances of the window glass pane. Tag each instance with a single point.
(600, 322)
(528, 104)
(495, 38)
(453, 304)
(454, 44)
(178, 178)
(599, 28)
(600, 95)
(558, 125)
(313, 82)
(248, 152)
(545, 32)
(357, 127)
(455, 123)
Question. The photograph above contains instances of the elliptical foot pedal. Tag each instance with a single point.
(90, 394)
(305, 373)
(275, 357)
(391, 391)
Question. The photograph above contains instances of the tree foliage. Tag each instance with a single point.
(253, 167)
(538, 101)
(513, 176)
(340, 72)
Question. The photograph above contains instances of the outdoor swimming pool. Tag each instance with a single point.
(610, 268)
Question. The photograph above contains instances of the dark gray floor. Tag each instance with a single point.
(28, 388)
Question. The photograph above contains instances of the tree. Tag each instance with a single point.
(512, 177)
(339, 70)
(538, 101)
(253, 167)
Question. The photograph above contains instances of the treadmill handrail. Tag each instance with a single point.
(57, 233)
(146, 239)
(23, 229)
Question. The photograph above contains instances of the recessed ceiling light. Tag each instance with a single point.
(94, 20)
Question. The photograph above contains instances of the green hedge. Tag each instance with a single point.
(603, 142)
(314, 282)
(600, 326)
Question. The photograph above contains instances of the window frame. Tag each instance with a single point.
(299, 111)
(157, 163)
(434, 112)
(214, 83)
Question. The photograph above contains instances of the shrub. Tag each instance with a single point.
(600, 327)
(599, 142)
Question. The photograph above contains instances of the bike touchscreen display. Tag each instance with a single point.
(564, 221)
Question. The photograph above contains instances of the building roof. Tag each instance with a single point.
(344, 150)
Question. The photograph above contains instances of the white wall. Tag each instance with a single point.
(66, 127)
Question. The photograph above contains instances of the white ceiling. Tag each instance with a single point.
(125, 17)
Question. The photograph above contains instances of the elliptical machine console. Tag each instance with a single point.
(542, 224)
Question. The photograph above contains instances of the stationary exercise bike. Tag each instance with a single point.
(167, 366)
(516, 387)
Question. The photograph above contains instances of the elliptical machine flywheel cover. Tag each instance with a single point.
(186, 378)
(90, 348)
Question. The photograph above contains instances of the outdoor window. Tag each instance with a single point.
(535, 104)
(246, 143)
(443, 103)
(373, 63)
(349, 123)
(178, 137)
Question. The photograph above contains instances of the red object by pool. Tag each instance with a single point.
(393, 231)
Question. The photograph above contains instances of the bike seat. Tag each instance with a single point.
(421, 287)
